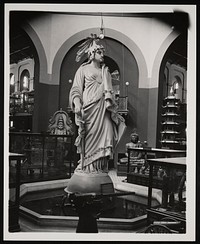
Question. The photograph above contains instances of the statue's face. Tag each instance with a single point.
(99, 55)
(134, 138)
(60, 125)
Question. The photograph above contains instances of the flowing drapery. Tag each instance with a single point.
(98, 127)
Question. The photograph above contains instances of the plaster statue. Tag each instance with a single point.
(92, 101)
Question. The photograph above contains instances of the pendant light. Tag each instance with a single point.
(101, 35)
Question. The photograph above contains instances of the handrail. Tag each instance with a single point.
(45, 134)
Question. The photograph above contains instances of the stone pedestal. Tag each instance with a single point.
(81, 182)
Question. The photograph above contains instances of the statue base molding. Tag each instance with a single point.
(97, 182)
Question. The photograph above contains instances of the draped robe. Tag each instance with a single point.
(94, 88)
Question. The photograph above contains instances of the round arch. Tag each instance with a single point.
(157, 77)
(159, 57)
(154, 95)
(40, 76)
(24, 79)
(40, 51)
(110, 33)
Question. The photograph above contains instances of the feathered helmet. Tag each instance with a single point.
(89, 46)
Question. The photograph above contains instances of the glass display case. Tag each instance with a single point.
(172, 212)
(47, 156)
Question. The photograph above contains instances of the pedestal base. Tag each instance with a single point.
(81, 182)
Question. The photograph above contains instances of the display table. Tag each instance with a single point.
(142, 179)
(156, 152)
(176, 212)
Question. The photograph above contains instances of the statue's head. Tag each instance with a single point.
(60, 124)
(134, 137)
(96, 51)
(90, 47)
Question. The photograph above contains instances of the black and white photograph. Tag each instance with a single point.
(99, 122)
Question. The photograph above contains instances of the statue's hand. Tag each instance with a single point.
(77, 110)
(108, 103)
(78, 106)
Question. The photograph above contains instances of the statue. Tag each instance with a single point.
(92, 100)
(132, 144)
(60, 124)
(135, 157)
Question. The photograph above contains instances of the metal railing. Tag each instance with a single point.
(47, 156)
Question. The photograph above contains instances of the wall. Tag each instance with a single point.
(137, 33)
(141, 30)
(137, 97)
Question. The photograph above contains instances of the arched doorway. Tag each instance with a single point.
(22, 50)
(128, 72)
(135, 73)
(127, 68)
(172, 76)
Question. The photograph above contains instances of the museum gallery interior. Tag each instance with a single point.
(144, 188)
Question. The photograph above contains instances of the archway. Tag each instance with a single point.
(139, 81)
(110, 33)
(175, 57)
(128, 70)
(22, 48)
(24, 80)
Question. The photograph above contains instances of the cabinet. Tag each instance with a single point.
(21, 110)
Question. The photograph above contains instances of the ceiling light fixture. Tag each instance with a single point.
(101, 35)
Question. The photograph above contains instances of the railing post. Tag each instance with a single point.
(150, 184)
(128, 165)
(43, 142)
(18, 171)
(14, 207)
(56, 162)
(70, 166)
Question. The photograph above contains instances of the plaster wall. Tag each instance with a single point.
(146, 38)
(147, 33)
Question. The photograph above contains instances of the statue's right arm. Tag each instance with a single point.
(76, 92)
(77, 105)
